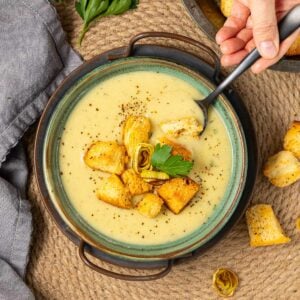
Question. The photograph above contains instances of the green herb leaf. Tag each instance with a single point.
(78, 9)
(90, 10)
(174, 165)
(118, 7)
(160, 154)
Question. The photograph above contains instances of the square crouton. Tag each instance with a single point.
(106, 156)
(135, 182)
(177, 193)
(150, 206)
(292, 139)
(113, 191)
(188, 126)
(282, 169)
(226, 7)
(264, 228)
(177, 149)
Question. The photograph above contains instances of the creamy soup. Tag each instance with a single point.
(99, 116)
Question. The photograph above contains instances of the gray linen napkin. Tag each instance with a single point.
(34, 59)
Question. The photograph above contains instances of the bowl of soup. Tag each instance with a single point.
(83, 151)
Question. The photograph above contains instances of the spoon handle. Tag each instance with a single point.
(289, 24)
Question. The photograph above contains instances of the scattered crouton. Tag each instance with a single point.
(135, 183)
(282, 169)
(150, 206)
(298, 223)
(226, 6)
(113, 191)
(136, 130)
(295, 48)
(264, 228)
(188, 126)
(177, 193)
(177, 149)
(292, 139)
(106, 156)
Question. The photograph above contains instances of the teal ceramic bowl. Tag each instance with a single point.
(72, 217)
(230, 108)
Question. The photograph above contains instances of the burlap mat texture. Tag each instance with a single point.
(273, 99)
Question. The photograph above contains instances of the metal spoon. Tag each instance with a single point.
(289, 24)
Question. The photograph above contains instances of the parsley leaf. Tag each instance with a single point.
(174, 165)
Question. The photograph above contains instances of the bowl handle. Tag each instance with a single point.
(129, 49)
(103, 271)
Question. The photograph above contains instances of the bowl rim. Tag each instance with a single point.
(286, 64)
(51, 102)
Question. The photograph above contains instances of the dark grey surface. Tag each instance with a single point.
(34, 59)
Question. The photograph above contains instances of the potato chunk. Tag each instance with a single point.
(106, 156)
(292, 139)
(150, 206)
(113, 191)
(136, 130)
(135, 183)
(177, 149)
(178, 192)
(226, 6)
(186, 126)
(282, 169)
(264, 228)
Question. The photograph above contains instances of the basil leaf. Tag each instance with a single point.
(118, 7)
(78, 9)
(94, 9)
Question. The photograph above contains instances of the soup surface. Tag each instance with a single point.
(99, 116)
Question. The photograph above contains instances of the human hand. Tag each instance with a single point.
(253, 23)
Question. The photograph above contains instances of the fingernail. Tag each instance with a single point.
(267, 49)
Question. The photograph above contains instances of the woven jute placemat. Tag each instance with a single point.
(273, 99)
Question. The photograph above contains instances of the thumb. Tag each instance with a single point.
(265, 30)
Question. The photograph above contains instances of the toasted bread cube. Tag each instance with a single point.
(136, 130)
(135, 183)
(226, 7)
(106, 156)
(177, 193)
(177, 149)
(292, 139)
(282, 169)
(113, 191)
(264, 228)
(298, 223)
(150, 206)
(295, 48)
(188, 126)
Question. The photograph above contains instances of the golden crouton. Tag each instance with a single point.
(177, 149)
(295, 48)
(178, 192)
(188, 126)
(282, 169)
(150, 206)
(113, 191)
(226, 6)
(136, 130)
(292, 139)
(298, 223)
(264, 228)
(135, 182)
(106, 156)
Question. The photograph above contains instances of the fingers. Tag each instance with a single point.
(263, 64)
(233, 59)
(265, 31)
(236, 43)
(236, 22)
